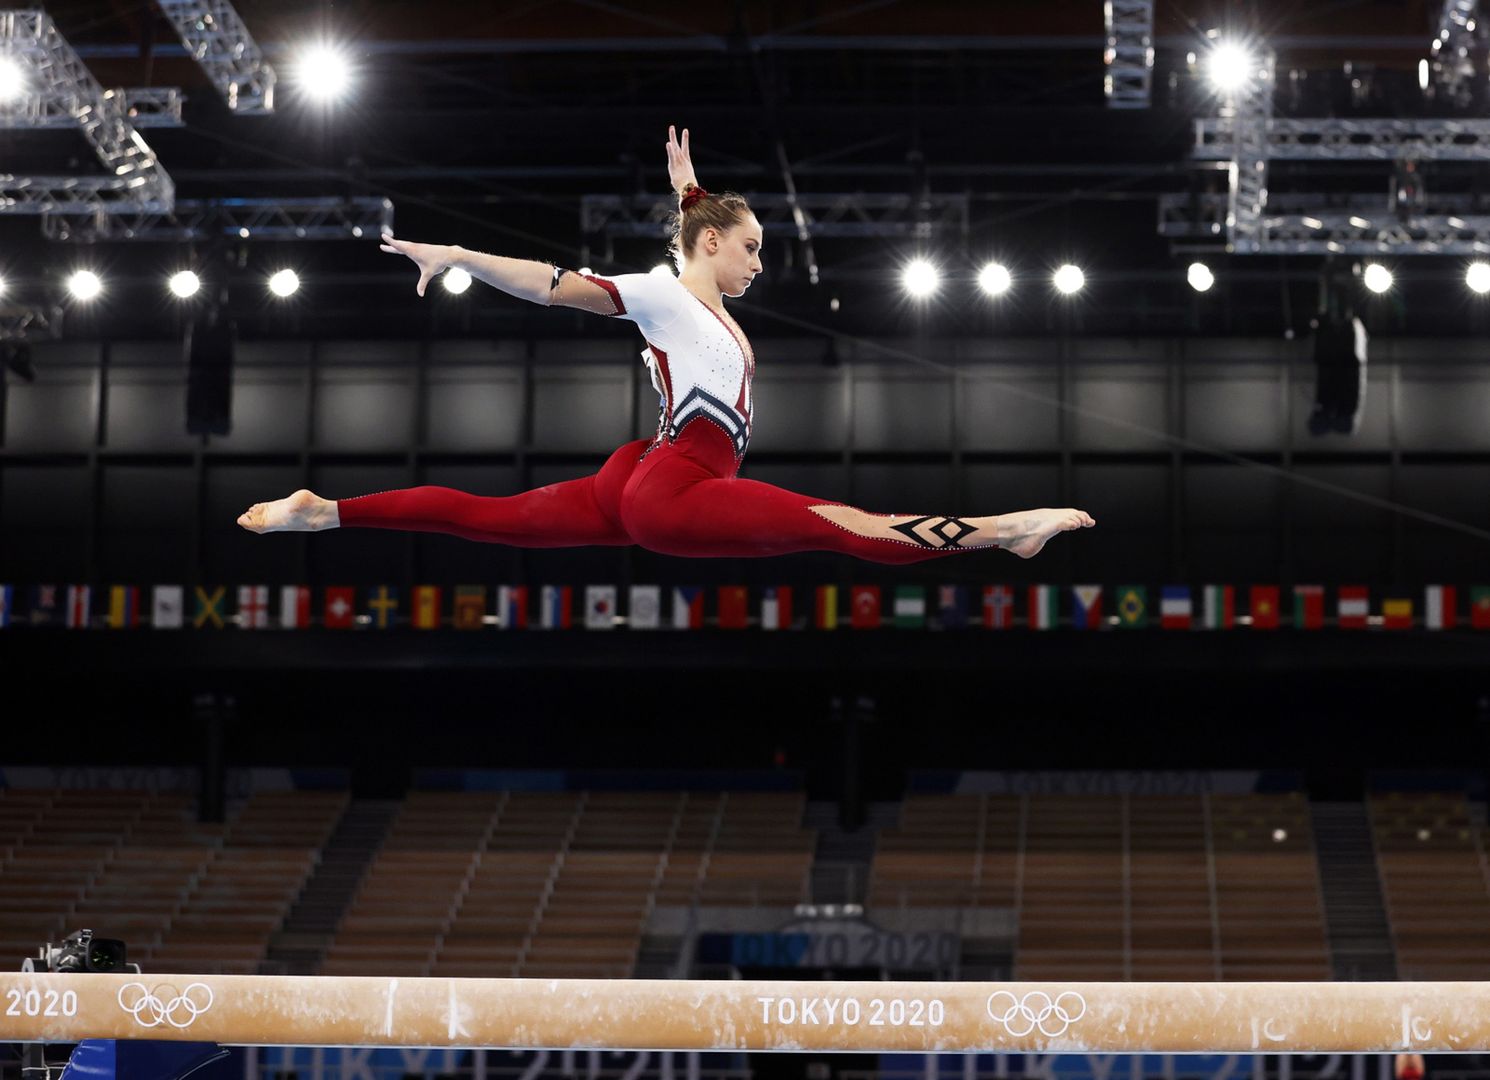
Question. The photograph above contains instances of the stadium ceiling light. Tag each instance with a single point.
(284, 283)
(1378, 278)
(12, 79)
(324, 72)
(84, 285)
(1200, 277)
(184, 283)
(994, 279)
(920, 278)
(1069, 279)
(456, 280)
(1230, 66)
(1477, 277)
(2, 286)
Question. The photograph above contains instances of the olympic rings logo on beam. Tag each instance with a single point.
(1037, 1009)
(151, 1008)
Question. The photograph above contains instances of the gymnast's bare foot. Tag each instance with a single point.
(1025, 532)
(304, 511)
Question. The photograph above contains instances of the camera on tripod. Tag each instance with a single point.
(81, 951)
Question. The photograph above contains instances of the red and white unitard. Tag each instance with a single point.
(678, 493)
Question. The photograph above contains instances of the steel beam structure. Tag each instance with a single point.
(145, 106)
(215, 37)
(133, 178)
(1330, 139)
(1454, 44)
(855, 214)
(237, 219)
(1128, 56)
(1316, 224)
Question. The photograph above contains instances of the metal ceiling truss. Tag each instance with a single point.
(215, 37)
(1454, 45)
(1319, 224)
(145, 106)
(855, 214)
(1128, 56)
(237, 219)
(1328, 139)
(133, 177)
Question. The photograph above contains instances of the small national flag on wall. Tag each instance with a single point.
(124, 607)
(79, 606)
(1308, 607)
(1479, 607)
(776, 607)
(864, 607)
(512, 607)
(951, 607)
(1354, 607)
(253, 607)
(734, 605)
(294, 607)
(340, 611)
(166, 607)
(1044, 607)
(1396, 613)
(427, 607)
(209, 607)
(1175, 607)
(1264, 606)
(554, 605)
(910, 607)
(1132, 606)
(998, 607)
(469, 609)
(688, 607)
(644, 607)
(43, 605)
(1086, 607)
(1438, 607)
(825, 607)
(600, 607)
(382, 604)
(1220, 607)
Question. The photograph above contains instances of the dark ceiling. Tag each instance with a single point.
(486, 123)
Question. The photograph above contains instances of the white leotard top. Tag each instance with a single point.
(701, 367)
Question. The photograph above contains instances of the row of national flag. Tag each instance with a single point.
(735, 607)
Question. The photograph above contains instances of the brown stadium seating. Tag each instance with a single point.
(1434, 882)
(1112, 887)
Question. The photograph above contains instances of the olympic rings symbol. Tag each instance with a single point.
(1037, 1009)
(151, 1009)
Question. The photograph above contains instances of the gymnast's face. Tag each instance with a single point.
(734, 256)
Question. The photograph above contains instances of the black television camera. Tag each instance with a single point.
(81, 951)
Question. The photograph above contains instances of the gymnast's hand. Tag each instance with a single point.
(431, 259)
(679, 165)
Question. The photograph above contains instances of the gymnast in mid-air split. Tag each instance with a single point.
(678, 492)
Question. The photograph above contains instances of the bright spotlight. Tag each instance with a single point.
(1378, 278)
(1069, 279)
(920, 278)
(994, 279)
(84, 285)
(12, 79)
(184, 283)
(2, 286)
(1200, 277)
(1477, 277)
(284, 283)
(456, 280)
(324, 72)
(1229, 66)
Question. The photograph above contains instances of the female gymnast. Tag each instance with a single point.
(676, 493)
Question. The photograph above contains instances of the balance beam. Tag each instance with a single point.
(628, 1014)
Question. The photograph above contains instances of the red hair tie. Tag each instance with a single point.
(692, 196)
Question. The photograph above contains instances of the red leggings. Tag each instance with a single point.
(682, 499)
